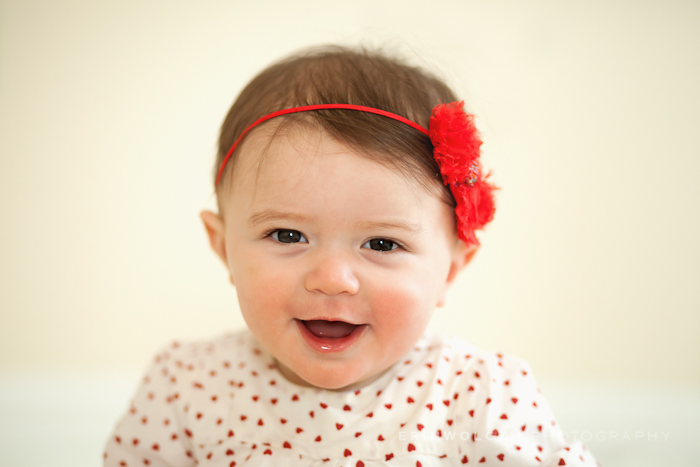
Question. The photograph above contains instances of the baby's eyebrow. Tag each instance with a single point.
(270, 215)
(369, 225)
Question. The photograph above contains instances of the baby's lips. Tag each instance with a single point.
(329, 329)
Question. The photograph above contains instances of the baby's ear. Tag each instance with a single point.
(461, 256)
(217, 235)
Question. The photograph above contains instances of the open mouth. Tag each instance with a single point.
(329, 336)
(329, 329)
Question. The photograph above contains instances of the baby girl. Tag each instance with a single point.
(349, 190)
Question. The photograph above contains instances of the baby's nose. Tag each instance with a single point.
(331, 273)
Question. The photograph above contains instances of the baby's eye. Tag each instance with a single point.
(382, 244)
(288, 236)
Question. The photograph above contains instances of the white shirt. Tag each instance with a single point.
(224, 403)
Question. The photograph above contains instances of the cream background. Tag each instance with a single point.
(590, 112)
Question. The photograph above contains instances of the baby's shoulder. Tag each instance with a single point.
(454, 357)
(230, 353)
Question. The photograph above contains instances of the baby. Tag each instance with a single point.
(349, 189)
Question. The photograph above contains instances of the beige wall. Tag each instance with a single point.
(590, 112)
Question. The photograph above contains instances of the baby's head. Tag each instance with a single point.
(335, 225)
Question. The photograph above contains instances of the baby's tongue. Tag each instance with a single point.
(332, 329)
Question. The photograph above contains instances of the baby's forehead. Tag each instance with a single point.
(307, 164)
(280, 148)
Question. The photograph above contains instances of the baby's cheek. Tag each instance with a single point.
(403, 307)
(259, 294)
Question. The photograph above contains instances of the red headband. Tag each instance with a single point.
(456, 146)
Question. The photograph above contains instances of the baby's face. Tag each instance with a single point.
(338, 261)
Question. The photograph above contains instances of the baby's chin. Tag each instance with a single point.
(335, 380)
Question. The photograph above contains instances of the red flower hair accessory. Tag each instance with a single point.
(456, 144)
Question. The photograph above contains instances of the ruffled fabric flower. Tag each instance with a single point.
(457, 144)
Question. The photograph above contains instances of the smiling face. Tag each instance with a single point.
(338, 261)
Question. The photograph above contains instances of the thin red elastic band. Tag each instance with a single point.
(316, 107)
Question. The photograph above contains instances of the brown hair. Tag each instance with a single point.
(341, 75)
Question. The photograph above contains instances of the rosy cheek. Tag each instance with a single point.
(259, 291)
(401, 307)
